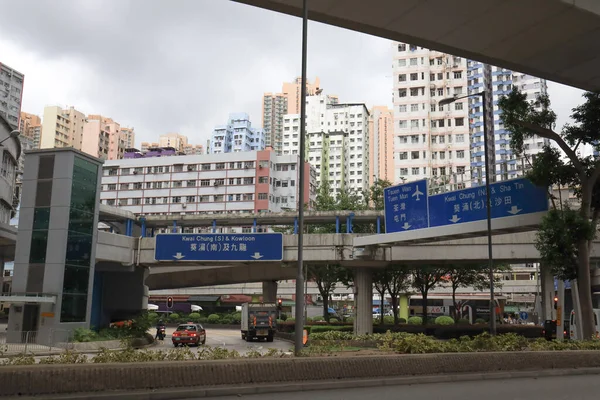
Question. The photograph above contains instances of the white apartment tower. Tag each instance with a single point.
(430, 141)
(337, 142)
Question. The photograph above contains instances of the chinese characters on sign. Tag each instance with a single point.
(509, 198)
(406, 206)
(219, 247)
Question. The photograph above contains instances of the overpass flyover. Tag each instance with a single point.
(557, 40)
(118, 251)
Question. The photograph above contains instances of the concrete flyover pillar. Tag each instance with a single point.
(547, 286)
(269, 290)
(363, 301)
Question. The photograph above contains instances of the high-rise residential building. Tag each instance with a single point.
(174, 140)
(95, 135)
(193, 149)
(11, 94)
(245, 182)
(430, 141)
(62, 127)
(276, 105)
(337, 142)
(381, 144)
(499, 81)
(27, 124)
(102, 138)
(237, 135)
(128, 137)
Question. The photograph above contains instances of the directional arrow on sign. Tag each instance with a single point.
(514, 210)
(406, 226)
(178, 256)
(257, 256)
(454, 219)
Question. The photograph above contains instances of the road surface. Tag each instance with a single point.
(230, 339)
(586, 387)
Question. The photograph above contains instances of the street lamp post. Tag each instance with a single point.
(13, 134)
(299, 314)
(488, 196)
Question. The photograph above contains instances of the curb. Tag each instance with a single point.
(198, 392)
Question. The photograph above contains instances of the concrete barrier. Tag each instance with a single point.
(46, 380)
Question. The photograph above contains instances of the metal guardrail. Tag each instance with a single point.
(32, 342)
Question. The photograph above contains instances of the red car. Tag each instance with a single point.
(190, 334)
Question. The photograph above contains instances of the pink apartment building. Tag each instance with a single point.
(381, 144)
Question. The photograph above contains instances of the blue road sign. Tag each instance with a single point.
(219, 247)
(406, 206)
(523, 315)
(509, 198)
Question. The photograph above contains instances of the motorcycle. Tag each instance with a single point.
(161, 333)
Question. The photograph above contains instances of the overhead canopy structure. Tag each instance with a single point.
(558, 40)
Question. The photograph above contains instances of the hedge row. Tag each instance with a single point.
(437, 331)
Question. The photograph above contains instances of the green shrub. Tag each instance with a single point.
(333, 320)
(236, 318)
(194, 317)
(84, 335)
(174, 317)
(480, 321)
(415, 320)
(388, 320)
(318, 318)
(154, 317)
(214, 319)
(444, 320)
(463, 321)
(283, 316)
(330, 328)
(401, 320)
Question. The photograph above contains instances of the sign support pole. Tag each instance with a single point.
(299, 326)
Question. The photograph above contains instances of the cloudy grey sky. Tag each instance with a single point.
(184, 65)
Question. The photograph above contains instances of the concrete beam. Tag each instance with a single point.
(116, 248)
(218, 276)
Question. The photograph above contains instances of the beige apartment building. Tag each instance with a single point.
(276, 105)
(177, 141)
(128, 136)
(95, 135)
(62, 127)
(381, 144)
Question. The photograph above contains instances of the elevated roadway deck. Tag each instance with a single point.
(557, 40)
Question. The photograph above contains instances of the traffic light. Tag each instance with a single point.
(555, 302)
(279, 304)
(169, 302)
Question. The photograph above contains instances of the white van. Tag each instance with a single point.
(573, 324)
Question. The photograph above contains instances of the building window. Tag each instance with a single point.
(459, 121)
(263, 196)
(414, 77)
(190, 199)
(402, 108)
(414, 61)
(414, 92)
(460, 154)
(401, 47)
(403, 155)
(191, 183)
(402, 78)
(112, 186)
(205, 167)
(414, 155)
(220, 166)
(457, 74)
(460, 138)
(402, 62)
(205, 182)
(401, 92)
(414, 107)
(403, 124)
(415, 171)
(176, 199)
(458, 106)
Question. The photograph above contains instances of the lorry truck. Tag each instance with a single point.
(259, 320)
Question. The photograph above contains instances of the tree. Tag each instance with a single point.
(397, 281)
(375, 193)
(565, 235)
(326, 277)
(379, 282)
(426, 278)
(470, 275)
